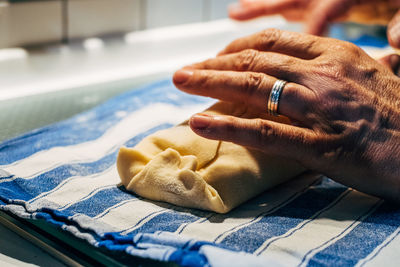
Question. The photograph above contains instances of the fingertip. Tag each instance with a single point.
(181, 76)
(200, 122)
(241, 12)
(234, 10)
(234, 7)
(211, 126)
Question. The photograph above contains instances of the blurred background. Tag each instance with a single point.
(30, 22)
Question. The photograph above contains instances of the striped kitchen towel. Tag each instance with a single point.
(65, 174)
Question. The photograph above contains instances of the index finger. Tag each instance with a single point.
(272, 137)
(300, 45)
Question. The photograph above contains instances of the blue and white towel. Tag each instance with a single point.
(65, 174)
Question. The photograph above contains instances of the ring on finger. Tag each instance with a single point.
(274, 97)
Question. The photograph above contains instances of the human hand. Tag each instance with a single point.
(316, 13)
(345, 105)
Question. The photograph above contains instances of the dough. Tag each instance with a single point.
(177, 166)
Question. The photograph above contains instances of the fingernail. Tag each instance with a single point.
(182, 76)
(200, 121)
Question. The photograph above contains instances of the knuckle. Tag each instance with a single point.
(252, 85)
(288, 62)
(333, 151)
(351, 48)
(201, 79)
(264, 133)
(230, 126)
(328, 152)
(208, 64)
(268, 38)
(246, 59)
(324, 147)
(351, 141)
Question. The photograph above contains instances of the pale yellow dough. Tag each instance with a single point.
(182, 168)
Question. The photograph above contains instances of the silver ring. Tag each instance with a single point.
(274, 96)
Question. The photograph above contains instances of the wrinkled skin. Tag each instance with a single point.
(344, 105)
(317, 15)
